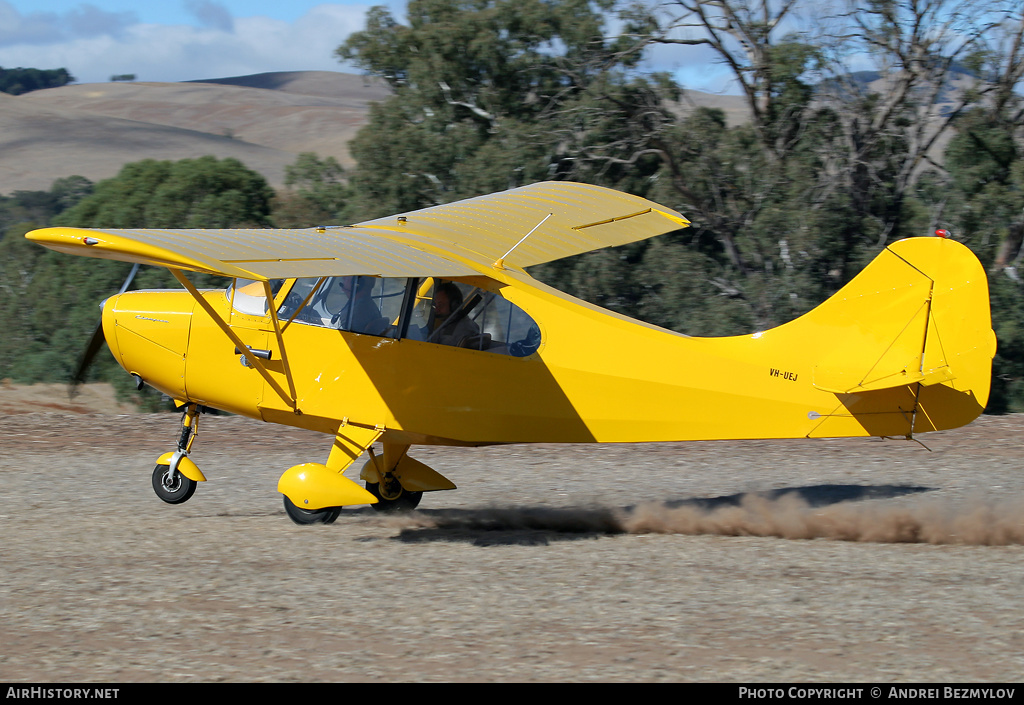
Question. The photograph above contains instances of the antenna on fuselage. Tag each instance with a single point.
(500, 262)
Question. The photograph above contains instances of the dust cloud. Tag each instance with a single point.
(973, 523)
(979, 522)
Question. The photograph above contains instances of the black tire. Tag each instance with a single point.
(304, 517)
(405, 502)
(173, 490)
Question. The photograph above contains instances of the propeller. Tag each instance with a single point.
(95, 342)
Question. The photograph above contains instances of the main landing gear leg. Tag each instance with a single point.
(391, 496)
(175, 476)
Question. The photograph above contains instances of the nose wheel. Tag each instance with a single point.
(169, 482)
(171, 486)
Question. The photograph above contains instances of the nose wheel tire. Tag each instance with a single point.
(173, 488)
(405, 502)
(327, 515)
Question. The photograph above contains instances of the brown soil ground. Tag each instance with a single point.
(807, 561)
(85, 399)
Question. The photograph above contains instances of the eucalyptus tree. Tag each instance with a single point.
(848, 103)
(316, 193)
(982, 199)
(491, 94)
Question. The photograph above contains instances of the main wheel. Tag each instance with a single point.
(173, 488)
(405, 502)
(327, 515)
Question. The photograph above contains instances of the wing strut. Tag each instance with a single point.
(280, 344)
(242, 347)
(500, 262)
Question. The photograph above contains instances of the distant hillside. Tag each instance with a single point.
(264, 120)
(331, 84)
(94, 129)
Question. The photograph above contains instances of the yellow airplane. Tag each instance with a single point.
(424, 329)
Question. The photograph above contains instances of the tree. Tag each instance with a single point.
(50, 300)
(20, 80)
(190, 193)
(38, 208)
(983, 199)
(491, 94)
(316, 193)
(824, 176)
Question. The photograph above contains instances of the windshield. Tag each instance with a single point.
(249, 296)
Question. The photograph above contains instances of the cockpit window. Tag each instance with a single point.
(436, 311)
(249, 297)
(473, 318)
(502, 327)
(368, 305)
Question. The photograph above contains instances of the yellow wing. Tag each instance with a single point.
(451, 240)
(257, 254)
(583, 218)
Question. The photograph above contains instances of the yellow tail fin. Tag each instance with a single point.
(911, 342)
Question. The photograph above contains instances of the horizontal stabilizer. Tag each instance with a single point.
(896, 379)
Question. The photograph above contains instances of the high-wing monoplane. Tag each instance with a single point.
(424, 328)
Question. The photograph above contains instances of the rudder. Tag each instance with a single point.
(913, 342)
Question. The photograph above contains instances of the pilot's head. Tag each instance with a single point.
(447, 298)
(361, 285)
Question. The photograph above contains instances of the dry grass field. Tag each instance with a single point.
(754, 561)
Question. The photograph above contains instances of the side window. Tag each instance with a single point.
(422, 309)
(387, 295)
(452, 313)
(447, 311)
(504, 328)
(249, 297)
(301, 291)
(360, 304)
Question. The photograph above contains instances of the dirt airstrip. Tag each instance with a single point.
(810, 561)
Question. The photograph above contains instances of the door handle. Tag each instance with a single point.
(262, 354)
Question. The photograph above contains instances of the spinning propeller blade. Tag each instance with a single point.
(95, 342)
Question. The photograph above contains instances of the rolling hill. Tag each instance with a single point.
(264, 120)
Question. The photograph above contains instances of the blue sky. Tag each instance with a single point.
(175, 40)
(180, 40)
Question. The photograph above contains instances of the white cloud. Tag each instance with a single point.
(47, 28)
(92, 52)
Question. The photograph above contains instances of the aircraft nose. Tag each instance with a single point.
(147, 332)
(107, 321)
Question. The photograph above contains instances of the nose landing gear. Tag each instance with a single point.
(175, 476)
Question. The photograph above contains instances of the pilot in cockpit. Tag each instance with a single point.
(451, 324)
(351, 305)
